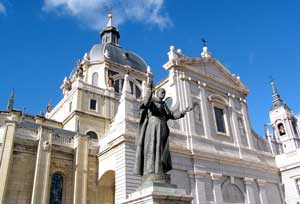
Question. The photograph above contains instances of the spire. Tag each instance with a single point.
(276, 100)
(110, 33)
(10, 104)
(109, 23)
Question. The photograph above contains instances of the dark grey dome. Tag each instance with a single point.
(116, 54)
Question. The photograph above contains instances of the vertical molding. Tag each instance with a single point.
(81, 170)
(40, 189)
(120, 174)
(234, 125)
(250, 197)
(281, 191)
(206, 124)
(199, 192)
(248, 126)
(7, 153)
(217, 190)
(262, 191)
(188, 117)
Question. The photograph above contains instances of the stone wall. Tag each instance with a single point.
(21, 176)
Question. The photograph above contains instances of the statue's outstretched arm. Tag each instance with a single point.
(149, 92)
(179, 114)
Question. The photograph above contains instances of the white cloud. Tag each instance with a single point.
(93, 13)
(2, 9)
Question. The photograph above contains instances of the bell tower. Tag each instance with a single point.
(110, 34)
(284, 123)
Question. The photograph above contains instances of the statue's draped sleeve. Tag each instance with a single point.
(174, 115)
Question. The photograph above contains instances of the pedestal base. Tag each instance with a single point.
(159, 193)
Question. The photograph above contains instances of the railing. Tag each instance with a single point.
(59, 139)
(91, 88)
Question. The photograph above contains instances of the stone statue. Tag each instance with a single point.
(79, 69)
(153, 159)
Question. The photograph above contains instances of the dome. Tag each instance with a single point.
(116, 54)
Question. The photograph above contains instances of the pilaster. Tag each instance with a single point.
(205, 109)
(217, 190)
(199, 193)
(41, 175)
(249, 184)
(262, 191)
(248, 125)
(235, 126)
(7, 152)
(81, 170)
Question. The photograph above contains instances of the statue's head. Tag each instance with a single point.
(161, 93)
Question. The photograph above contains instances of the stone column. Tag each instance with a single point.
(217, 190)
(249, 184)
(262, 191)
(41, 184)
(7, 153)
(81, 169)
(198, 188)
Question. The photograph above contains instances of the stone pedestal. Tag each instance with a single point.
(153, 192)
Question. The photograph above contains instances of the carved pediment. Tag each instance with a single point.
(213, 69)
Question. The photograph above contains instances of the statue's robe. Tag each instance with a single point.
(152, 153)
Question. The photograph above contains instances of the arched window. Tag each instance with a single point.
(232, 193)
(56, 191)
(95, 79)
(281, 129)
(92, 135)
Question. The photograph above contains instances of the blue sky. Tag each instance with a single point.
(40, 42)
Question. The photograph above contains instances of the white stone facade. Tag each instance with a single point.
(217, 157)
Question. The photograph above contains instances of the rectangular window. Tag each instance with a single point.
(131, 87)
(219, 116)
(116, 86)
(70, 107)
(93, 104)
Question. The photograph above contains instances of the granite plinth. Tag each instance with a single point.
(159, 193)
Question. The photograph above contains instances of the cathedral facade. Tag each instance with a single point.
(83, 150)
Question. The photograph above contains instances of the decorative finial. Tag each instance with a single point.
(23, 113)
(149, 70)
(204, 42)
(49, 107)
(274, 90)
(272, 82)
(10, 104)
(110, 16)
(205, 53)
